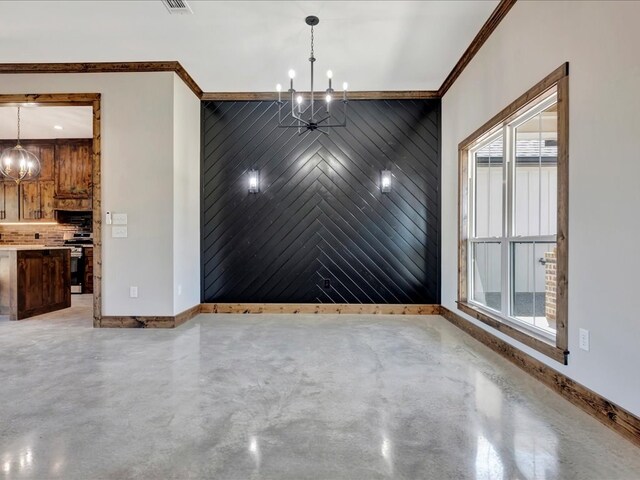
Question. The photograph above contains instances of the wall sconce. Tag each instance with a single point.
(254, 181)
(385, 181)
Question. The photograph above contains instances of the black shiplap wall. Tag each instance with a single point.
(320, 214)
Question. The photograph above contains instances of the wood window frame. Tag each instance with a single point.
(559, 79)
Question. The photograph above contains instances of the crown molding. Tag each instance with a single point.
(173, 66)
(482, 36)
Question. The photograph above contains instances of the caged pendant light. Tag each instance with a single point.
(17, 163)
(314, 117)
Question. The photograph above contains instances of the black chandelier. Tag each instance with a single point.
(317, 118)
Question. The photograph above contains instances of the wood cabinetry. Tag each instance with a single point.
(34, 281)
(64, 183)
(8, 201)
(73, 169)
(87, 284)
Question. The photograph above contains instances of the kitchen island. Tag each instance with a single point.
(34, 280)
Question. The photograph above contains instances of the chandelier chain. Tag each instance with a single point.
(311, 41)
(18, 125)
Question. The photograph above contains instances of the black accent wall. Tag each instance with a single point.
(320, 230)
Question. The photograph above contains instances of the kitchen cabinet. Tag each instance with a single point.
(36, 201)
(64, 183)
(34, 280)
(8, 201)
(73, 169)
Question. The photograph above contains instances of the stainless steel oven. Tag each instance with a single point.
(77, 269)
(76, 242)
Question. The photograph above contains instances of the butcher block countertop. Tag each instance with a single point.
(16, 248)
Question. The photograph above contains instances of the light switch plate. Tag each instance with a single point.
(584, 339)
(119, 218)
(119, 232)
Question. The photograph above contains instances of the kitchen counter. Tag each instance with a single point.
(34, 279)
(15, 248)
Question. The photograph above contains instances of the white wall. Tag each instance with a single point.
(186, 197)
(600, 40)
(137, 179)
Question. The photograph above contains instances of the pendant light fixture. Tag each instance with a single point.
(311, 117)
(17, 163)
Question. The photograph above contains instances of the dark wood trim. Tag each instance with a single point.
(80, 99)
(559, 355)
(50, 99)
(559, 78)
(513, 109)
(103, 67)
(485, 32)
(146, 321)
(562, 236)
(321, 308)
(187, 315)
(611, 415)
(96, 205)
(363, 95)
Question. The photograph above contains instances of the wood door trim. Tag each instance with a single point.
(80, 99)
(611, 415)
(498, 14)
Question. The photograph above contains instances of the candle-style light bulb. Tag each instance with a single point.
(345, 86)
(329, 74)
(299, 100)
(279, 90)
(292, 75)
(328, 98)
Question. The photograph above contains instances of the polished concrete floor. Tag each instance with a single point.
(284, 397)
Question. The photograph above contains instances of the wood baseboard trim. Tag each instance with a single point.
(611, 415)
(321, 308)
(187, 315)
(141, 321)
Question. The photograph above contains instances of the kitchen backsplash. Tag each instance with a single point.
(26, 234)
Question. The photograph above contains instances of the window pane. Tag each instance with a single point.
(534, 284)
(488, 190)
(487, 274)
(536, 167)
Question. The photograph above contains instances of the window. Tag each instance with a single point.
(513, 219)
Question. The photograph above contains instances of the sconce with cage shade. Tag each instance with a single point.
(17, 163)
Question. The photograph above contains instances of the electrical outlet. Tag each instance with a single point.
(584, 339)
(133, 292)
(37, 236)
(327, 283)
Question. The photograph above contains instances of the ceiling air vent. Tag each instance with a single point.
(177, 6)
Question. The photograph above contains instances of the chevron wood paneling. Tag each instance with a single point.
(320, 230)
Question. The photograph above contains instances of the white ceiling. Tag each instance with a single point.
(250, 45)
(38, 122)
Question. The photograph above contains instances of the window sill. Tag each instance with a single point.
(522, 336)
